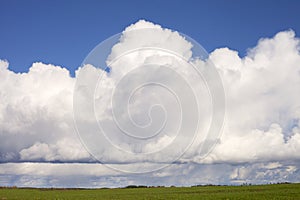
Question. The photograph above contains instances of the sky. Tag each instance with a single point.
(161, 115)
(63, 33)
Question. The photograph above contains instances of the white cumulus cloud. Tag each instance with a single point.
(261, 133)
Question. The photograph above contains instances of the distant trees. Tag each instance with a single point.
(136, 186)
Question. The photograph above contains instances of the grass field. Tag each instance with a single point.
(278, 191)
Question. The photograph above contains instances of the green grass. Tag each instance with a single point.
(278, 191)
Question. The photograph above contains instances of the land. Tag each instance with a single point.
(271, 191)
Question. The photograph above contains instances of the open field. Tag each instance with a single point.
(278, 191)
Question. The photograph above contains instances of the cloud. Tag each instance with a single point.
(263, 107)
(36, 115)
(146, 106)
(261, 134)
(96, 175)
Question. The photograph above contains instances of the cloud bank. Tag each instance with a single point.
(259, 143)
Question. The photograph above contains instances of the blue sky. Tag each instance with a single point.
(39, 145)
(63, 32)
